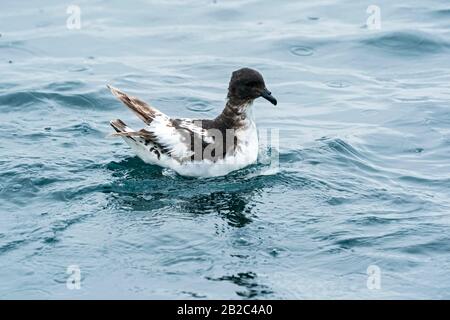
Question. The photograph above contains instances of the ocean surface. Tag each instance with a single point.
(363, 181)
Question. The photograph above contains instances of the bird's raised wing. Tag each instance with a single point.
(173, 137)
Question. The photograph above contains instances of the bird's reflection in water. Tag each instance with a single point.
(232, 206)
(137, 187)
(247, 281)
(141, 187)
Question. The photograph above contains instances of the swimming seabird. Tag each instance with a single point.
(200, 148)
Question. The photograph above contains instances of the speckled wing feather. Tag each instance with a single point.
(173, 137)
(145, 112)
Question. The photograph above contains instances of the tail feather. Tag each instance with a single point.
(141, 133)
(145, 112)
(122, 130)
(119, 126)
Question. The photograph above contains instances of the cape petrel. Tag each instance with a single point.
(200, 148)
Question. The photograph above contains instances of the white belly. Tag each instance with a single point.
(246, 154)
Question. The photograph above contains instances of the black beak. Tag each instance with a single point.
(266, 94)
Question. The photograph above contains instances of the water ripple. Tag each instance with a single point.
(302, 51)
(363, 153)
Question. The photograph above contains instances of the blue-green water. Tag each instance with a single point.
(364, 176)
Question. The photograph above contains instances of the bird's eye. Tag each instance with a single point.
(252, 84)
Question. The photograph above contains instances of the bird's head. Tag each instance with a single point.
(246, 85)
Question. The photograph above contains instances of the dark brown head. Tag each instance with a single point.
(246, 85)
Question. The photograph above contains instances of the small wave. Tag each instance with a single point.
(64, 86)
(16, 49)
(440, 246)
(441, 13)
(11, 245)
(444, 182)
(371, 220)
(407, 42)
(345, 151)
(83, 128)
(36, 98)
(342, 147)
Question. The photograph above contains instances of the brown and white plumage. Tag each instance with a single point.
(181, 144)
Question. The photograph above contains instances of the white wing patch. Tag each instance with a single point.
(196, 129)
(169, 137)
(176, 140)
